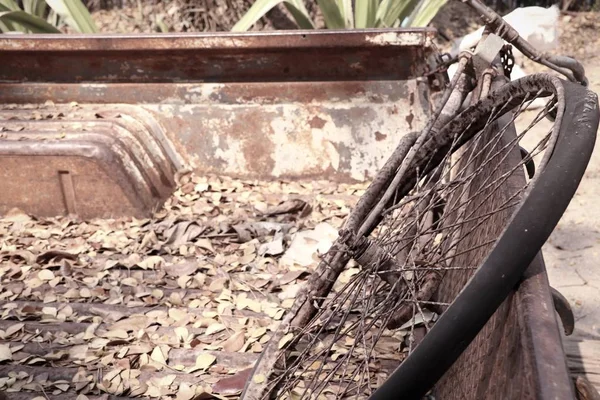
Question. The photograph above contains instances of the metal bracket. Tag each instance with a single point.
(486, 52)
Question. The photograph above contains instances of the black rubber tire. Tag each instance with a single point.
(547, 198)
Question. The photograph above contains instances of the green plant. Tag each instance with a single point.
(33, 16)
(340, 14)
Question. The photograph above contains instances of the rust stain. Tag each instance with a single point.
(254, 135)
(380, 136)
(80, 162)
(317, 122)
(409, 119)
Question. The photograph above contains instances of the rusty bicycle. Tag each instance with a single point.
(443, 233)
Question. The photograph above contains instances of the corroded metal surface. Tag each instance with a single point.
(224, 57)
(318, 104)
(89, 161)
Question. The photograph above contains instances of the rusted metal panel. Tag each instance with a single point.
(293, 104)
(337, 138)
(224, 57)
(335, 131)
(89, 162)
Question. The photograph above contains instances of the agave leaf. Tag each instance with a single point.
(422, 16)
(28, 21)
(53, 18)
(75, 14)
(332, 14)
(365, 13)
(391, 11)
(35, 7)
(6, 26)
(9, 5)
(345, 7)
(261, 7)
(300, 13)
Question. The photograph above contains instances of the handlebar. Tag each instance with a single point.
(567, 66)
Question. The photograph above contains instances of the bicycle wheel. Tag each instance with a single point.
(465, 221)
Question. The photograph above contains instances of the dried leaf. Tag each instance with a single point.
(235, 342)
(307, 244)
(232, 386)
(108, 315)
(182, 281)
(273, 248)
(290, 277)
(258, 332)
(285, 340)
(130, 282)
(45, 275)
(243, 302)
(180, 269)
(183, 232)
(182, 333)
(166, 380)
(16, 215)
(214, 328)
(185, 392)
(50, 311)
(158, 355)
(115, 334)
(11, 330)
(62, 386)
(205, 244)
(140, 348)
(5, 353)
(178, 314)
(205, 360)
(133, 323)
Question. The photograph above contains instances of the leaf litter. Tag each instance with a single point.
(177, 306)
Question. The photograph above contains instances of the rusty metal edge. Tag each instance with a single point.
(140, 197)
(422, 37)
(136, 93)
(109, 135)
(540, 334)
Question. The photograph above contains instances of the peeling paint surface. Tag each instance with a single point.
(346, 140)
(393, 39)
(304, 104)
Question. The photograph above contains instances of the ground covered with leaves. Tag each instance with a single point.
(175, 306)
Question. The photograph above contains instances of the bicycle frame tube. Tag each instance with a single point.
(569, 67)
